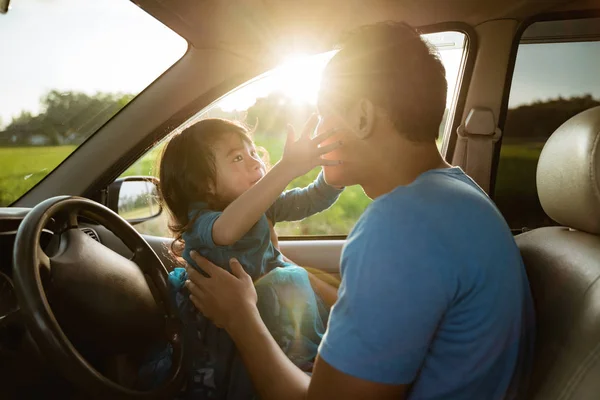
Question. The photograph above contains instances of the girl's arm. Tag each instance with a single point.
(300, 203)
(299, 157)
(239, 216)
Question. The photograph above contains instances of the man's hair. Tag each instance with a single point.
(390, 65)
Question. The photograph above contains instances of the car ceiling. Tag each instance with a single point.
(245, 26)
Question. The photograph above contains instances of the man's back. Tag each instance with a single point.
(449, 310)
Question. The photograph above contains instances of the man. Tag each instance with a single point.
(434, 301)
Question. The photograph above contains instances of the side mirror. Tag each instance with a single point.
(135, 198)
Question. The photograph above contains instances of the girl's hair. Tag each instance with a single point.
(187, 170)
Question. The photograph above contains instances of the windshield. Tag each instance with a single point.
(68, 66)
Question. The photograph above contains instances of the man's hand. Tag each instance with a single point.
(224, 297)
(302, 155)
(229, 300)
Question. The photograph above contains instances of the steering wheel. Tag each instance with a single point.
(85, 299)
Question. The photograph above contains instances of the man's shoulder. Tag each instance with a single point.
(383, 215)
(427, 211)
(398, 220)
(408, 204)
(437, 196)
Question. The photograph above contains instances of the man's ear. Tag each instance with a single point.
(363, 118)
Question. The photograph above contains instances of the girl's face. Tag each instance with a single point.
(238, 167)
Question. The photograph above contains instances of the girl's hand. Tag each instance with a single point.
(224, 297)
(302, 155)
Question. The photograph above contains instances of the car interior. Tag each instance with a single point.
(83, 279)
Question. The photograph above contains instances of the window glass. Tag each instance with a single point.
(552, 82)
(288, 94)
(67, 67)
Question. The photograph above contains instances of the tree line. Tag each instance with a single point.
(71, 117)
(540, 119)
(64, 118)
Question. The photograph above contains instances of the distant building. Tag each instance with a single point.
(39, 140)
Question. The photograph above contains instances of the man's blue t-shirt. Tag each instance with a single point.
(434, 293)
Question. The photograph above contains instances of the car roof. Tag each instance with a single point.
(246, 25)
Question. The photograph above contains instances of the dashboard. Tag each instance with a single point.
(11, 329)
(23, 368)
(11, 218)
(18, 354)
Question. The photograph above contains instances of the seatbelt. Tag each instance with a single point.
(475, 145)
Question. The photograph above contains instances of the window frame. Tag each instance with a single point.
(97, 191)
(463, 82)
(554, 16)
(456, 112)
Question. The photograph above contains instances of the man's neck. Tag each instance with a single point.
(398, 163)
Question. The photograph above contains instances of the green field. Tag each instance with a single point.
(22, 167)
(515, 190)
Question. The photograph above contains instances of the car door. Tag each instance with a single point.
(555, 78)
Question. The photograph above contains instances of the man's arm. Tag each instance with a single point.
(390, 305)
(273, 374)
(276, 377)
(329, 383)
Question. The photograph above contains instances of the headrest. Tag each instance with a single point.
(568, 173)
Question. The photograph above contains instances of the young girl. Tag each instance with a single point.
(223, 203)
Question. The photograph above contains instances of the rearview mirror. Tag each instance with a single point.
(135, 198)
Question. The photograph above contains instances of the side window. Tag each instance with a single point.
(288, 94)
(552, 82)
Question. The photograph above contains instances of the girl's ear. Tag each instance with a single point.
(211, 188)
(363, 118)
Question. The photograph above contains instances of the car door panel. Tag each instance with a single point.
(320, 255)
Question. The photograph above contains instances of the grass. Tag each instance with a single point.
(142, 212)
(22, 167)
(516, 190)
(146, 165)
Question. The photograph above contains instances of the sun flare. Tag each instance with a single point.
(298, 78)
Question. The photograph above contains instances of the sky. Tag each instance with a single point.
(86, 45)
(545, 71)
(113, 46)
